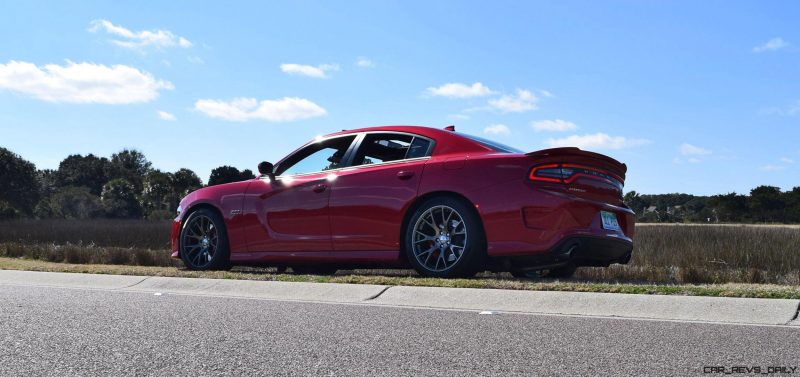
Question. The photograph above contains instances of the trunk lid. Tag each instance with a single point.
(581, 173)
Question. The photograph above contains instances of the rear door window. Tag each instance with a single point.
(379, 148)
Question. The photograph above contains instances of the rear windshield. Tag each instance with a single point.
(498, 147)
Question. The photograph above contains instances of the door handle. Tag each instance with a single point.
(319, 188)
(405, 174)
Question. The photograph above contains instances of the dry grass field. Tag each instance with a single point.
(673, 254)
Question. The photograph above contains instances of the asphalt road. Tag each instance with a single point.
(61, 331)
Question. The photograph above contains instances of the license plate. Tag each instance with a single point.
(610, 221)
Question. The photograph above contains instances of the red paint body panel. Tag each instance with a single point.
(367, 204)
(357, 216)
(288, 215)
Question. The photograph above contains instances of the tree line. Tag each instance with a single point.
(127, 186)
(122, 186)
(764, 204)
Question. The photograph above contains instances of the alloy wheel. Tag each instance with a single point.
(439, 238)
(200, 241)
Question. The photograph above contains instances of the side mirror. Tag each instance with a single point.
(266, 168)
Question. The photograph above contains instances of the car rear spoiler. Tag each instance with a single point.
(570, 154)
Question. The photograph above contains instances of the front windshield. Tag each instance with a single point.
(499, 147)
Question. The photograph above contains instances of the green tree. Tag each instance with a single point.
(47, 182)
(71, 203)
(792, 199)
(131, 165)
(184, 181)
(729, 207)
(157, 192)
(227, 174)
(90, 171)
(19, 188)
(7, 211)
(119, 199)
(766, 204)
(635, 201)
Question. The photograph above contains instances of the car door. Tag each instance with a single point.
(291, 213)
(369, 198)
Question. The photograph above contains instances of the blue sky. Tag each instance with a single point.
(696, 97)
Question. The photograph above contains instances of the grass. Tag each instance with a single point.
(99, 232)
(360, 277)
(676, 255)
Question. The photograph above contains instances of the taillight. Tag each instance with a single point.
(567, 173)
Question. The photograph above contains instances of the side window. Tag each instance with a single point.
(419, 148)
(325, 155)
(378, 148)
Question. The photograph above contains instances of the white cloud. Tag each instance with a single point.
(81, 82)
(163, 115)
(319, 72)
(546, 93)
(687, 149)
(558, 125)
(497, 129)
(598, 141)
(139, 40)
(771, 45)
(286, 109)
(790, 109)
(787, 160)
(459, 90)
(458, 116)
(772, 168)
(364, 62)
(195, 59)
(523, 101)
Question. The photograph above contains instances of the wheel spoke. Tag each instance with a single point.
(429, 251)
(430, 224)
(190, 251)
(199, 228)
(447, 220)
(453, 250)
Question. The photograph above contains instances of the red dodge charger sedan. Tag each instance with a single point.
(446, 203)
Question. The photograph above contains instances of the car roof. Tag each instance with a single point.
(419, 130)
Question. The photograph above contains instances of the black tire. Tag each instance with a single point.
(204, 241)
(564, 272)
(314, 270)
(467, 250)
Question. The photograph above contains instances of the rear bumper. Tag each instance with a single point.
(580, 251)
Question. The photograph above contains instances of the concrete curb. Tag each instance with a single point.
(68, 280)
(686, 308)
(272, 290)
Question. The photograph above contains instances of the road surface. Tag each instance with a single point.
(75, 331)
